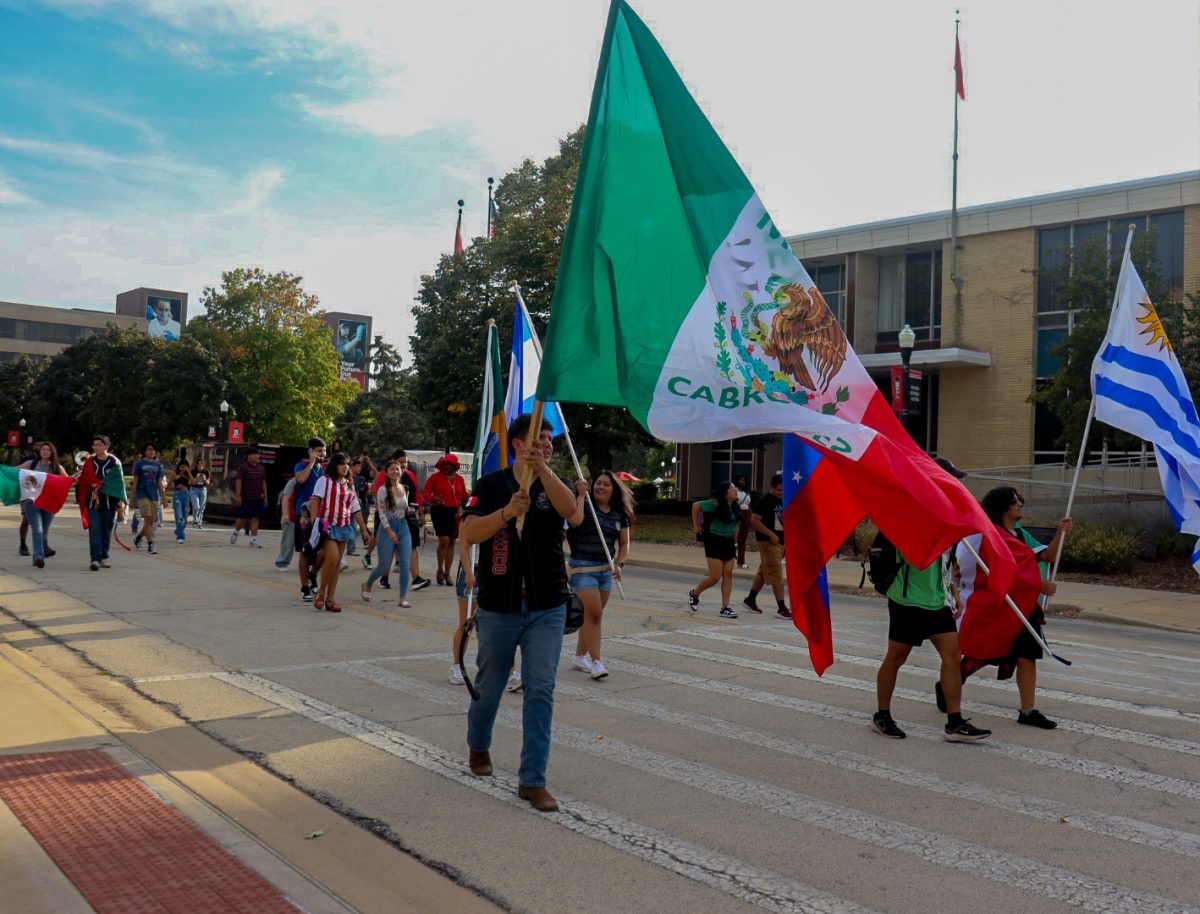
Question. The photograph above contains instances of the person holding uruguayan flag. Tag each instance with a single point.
(1139, 387)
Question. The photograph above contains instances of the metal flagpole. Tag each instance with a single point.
(1013, 606)
(954, 183)
(537, 347)
(1087, 427)
(491, 209)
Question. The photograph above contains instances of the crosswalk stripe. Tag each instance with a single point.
(1114, 733)
(976, 860)
(1111, 704)
(1069, 763)
(735, 878)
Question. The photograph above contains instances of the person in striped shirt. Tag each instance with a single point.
(336, 511)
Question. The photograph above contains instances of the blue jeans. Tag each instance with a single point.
(540, 637)
(287, 544)
(100, 531)
(199, 498)
(402, 549)
(39, 526)
(181, 502)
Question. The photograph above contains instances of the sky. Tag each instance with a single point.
(159, 142)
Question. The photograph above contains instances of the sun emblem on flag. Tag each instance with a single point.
(1154, 327)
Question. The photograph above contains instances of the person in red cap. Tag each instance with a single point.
(445, 493)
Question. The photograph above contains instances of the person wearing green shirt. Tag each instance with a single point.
(924, 603)
(720, 547)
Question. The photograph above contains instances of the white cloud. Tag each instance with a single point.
(10, 196)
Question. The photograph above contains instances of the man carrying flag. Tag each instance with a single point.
(678, 299)
(101, 496)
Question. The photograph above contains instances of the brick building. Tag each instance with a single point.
(982, 350)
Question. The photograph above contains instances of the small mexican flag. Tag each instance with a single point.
(47, 491)
(111, 484)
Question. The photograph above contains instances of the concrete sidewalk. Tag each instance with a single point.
(314, 858)
(1128, 605)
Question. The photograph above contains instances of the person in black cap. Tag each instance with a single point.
(924, 603)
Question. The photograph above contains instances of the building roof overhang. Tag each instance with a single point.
(950, 357)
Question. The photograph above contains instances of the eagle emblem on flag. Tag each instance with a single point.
(804, 338)
(30, 483)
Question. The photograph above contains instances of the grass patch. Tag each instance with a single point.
(669, 531)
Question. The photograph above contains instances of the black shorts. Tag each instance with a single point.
(251, 509)
(445, 520)
(1025, 647)
(721, 548)
(414, 531)
(302, 534)
(912, 625)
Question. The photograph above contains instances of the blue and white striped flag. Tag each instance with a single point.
(1139, 388)
(523, 371)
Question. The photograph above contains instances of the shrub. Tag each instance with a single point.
(645, 491)
(1172, 542)
(1106, 550)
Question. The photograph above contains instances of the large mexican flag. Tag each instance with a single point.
(679, 299)
(46, 491)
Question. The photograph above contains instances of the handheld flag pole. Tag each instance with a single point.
(537, 347)
(524, 473)
(1013, 606)
(1087, 428)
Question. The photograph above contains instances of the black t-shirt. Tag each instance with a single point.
(510, 564)
(585, 541)
(769, 509)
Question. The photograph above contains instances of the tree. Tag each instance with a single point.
(17, 379)
(457, 299)
(386, 416)
(133, 389)
(1085, 284)
(278, 351)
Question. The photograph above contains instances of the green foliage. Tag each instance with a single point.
(387, 416)
(1105, 550)
(127, 386)
(1085, 284)
(277, 349)
(667, 507)
(645, 491)
(457, 299)
(17, 379)
(1171, 542)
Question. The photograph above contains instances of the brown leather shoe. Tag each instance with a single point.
(480, 762)
(539, 798)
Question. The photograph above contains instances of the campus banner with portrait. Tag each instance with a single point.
(351, 338)
(163, 317)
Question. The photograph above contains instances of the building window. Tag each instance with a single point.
(1054, 256)
(830, 280)
(910, 292)
(731, 460)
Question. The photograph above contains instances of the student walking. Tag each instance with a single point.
(307, 474)
(1005, 507)
(44, 460)
(522, 602)
(181, 482)
(391, 503)
(719, 547)
(149, 488)
(198, 492)
(591, 576)
(745, 519)
(445, 492)
(766, 519)
(250, 489)
(101, 492)
(287, 525)
(335, 512)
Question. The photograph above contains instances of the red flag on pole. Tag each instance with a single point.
(458, 245)
(960, 83)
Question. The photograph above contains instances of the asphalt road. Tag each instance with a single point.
(711, 772)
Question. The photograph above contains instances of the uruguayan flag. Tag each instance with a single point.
(523, 376)
(1139, 387)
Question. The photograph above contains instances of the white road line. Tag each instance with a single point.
(1119, 827)
(1069, 763)
(976, 860)
(733, 877)
(1076, 726)
(292, 667)
(1111, 704)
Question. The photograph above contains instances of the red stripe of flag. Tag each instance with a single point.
(959, 83)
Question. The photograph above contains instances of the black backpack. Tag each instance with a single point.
(883, 564)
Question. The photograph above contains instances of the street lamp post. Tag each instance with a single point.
(907, 339)
(224, 407)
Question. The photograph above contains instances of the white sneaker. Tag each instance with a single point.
(514, 681)
(599, 671)
(456, 676)
(583, 663)
(254, 543)
(233, 538)
(345, 566)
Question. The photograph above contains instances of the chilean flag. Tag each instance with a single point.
(874, 468)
